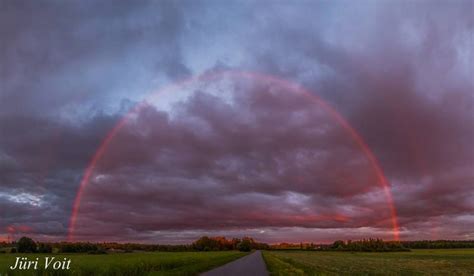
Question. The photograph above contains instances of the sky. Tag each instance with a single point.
(286, 121)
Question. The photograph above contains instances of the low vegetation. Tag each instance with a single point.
(138, 263)
(416, 262)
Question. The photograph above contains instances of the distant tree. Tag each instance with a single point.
(235, 242)
(26, 245)
(79, 247)
(338, 245)
(205, 244)
(245, 245)
(427, 244)
(221, 243)
(45, 248)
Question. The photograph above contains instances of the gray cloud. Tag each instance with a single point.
(400, 73)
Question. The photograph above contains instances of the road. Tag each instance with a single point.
(250, 265)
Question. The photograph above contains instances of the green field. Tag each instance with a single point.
(416, 262)
(155, 263)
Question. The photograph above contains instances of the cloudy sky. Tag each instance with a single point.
(283, 120)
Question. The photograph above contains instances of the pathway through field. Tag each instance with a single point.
(250, 265)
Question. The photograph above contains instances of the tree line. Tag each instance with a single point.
(376, 245)
(438, 244)
(221, 243)
(205, 243)
(368, 245)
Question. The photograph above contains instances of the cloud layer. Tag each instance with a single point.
(232, 155)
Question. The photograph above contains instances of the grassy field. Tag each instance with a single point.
(417, 262)
(156, 263)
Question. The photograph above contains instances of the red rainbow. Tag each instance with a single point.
(246, 75)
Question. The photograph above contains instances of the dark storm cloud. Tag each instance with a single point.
(56, 54)
(399, 72)
(402, 76)
(61, 63)
(238, 169)
(42, 164)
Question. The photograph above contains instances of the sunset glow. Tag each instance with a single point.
(164, 121)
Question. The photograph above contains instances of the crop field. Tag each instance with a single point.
(416, 262)
(153, 263)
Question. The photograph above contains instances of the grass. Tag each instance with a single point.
(416, 262)
(153, 263)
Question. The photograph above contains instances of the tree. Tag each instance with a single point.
(338, 245)
(45, 248)
(206, 244)
(26, 245)
(221, 243)
(245, 245)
